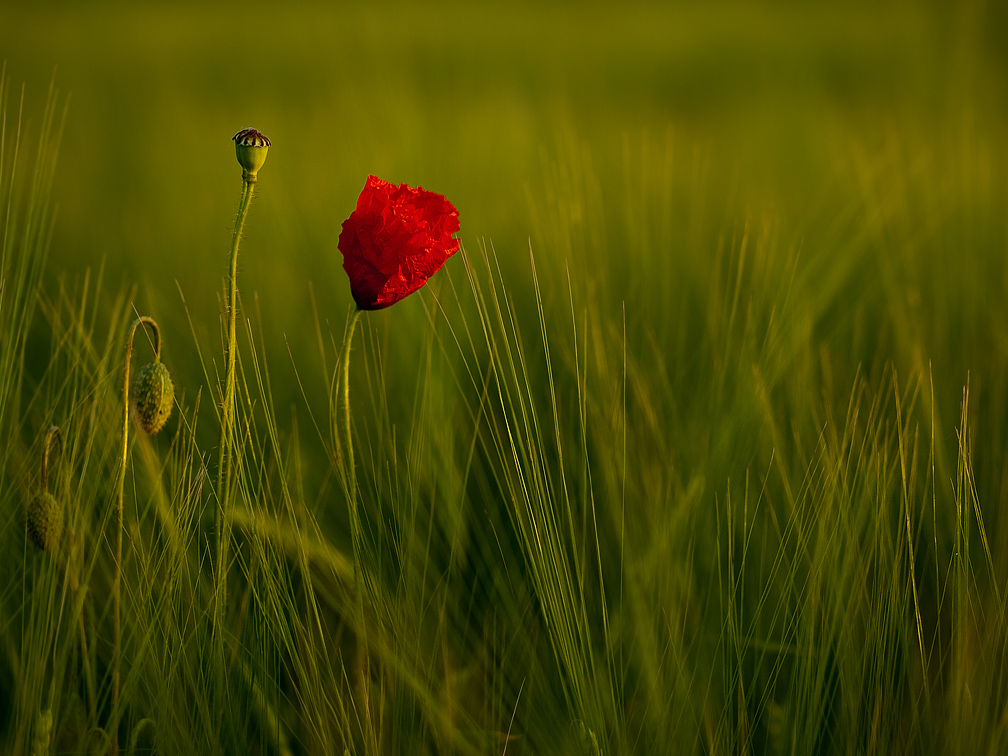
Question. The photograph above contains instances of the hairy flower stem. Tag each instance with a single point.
(225, 461)
(226, 451)
(116, 588)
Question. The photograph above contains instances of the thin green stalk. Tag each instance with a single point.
(349, 471)
(344, 368)
(86, 663)
(226, 448)
(116, 588)
(350, 481)
(80, 595)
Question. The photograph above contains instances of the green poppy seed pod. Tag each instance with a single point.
(153, 396)
(251, 147)
(45, 521)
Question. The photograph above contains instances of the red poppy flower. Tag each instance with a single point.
(395, 240)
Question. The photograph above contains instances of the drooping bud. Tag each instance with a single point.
(153, 396)
(45, 521)
(251, 147)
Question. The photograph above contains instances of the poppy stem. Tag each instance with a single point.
(225, 460)
(350, 475)
(226, 448)
(113, 727)
(350, 483)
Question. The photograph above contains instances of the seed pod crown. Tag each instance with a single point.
(153, 396)
(251, 147)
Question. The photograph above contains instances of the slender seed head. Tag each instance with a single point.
(45, 521)
(153, 396)
(43, 730)
(251, 147)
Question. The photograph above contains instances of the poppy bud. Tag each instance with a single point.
(153, 396)
(251, 147)
(45, 521)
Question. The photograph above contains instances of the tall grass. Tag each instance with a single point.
(702, 477)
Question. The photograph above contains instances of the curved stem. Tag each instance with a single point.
(52, 433)
(228, 403)
(350, 474)
(116, 589)
(226, 448)
(350, 482)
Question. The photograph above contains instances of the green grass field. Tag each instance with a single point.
(699, 445)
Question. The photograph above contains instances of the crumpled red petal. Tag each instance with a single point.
(395, 239)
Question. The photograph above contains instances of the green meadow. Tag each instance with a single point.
(699, 445)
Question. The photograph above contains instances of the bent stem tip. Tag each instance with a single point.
(113, 724)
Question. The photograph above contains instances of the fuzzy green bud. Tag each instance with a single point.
(251, 147)
(45, 521)
(153, 396)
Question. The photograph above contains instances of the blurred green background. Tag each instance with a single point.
(743, 107)
(465, 99)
